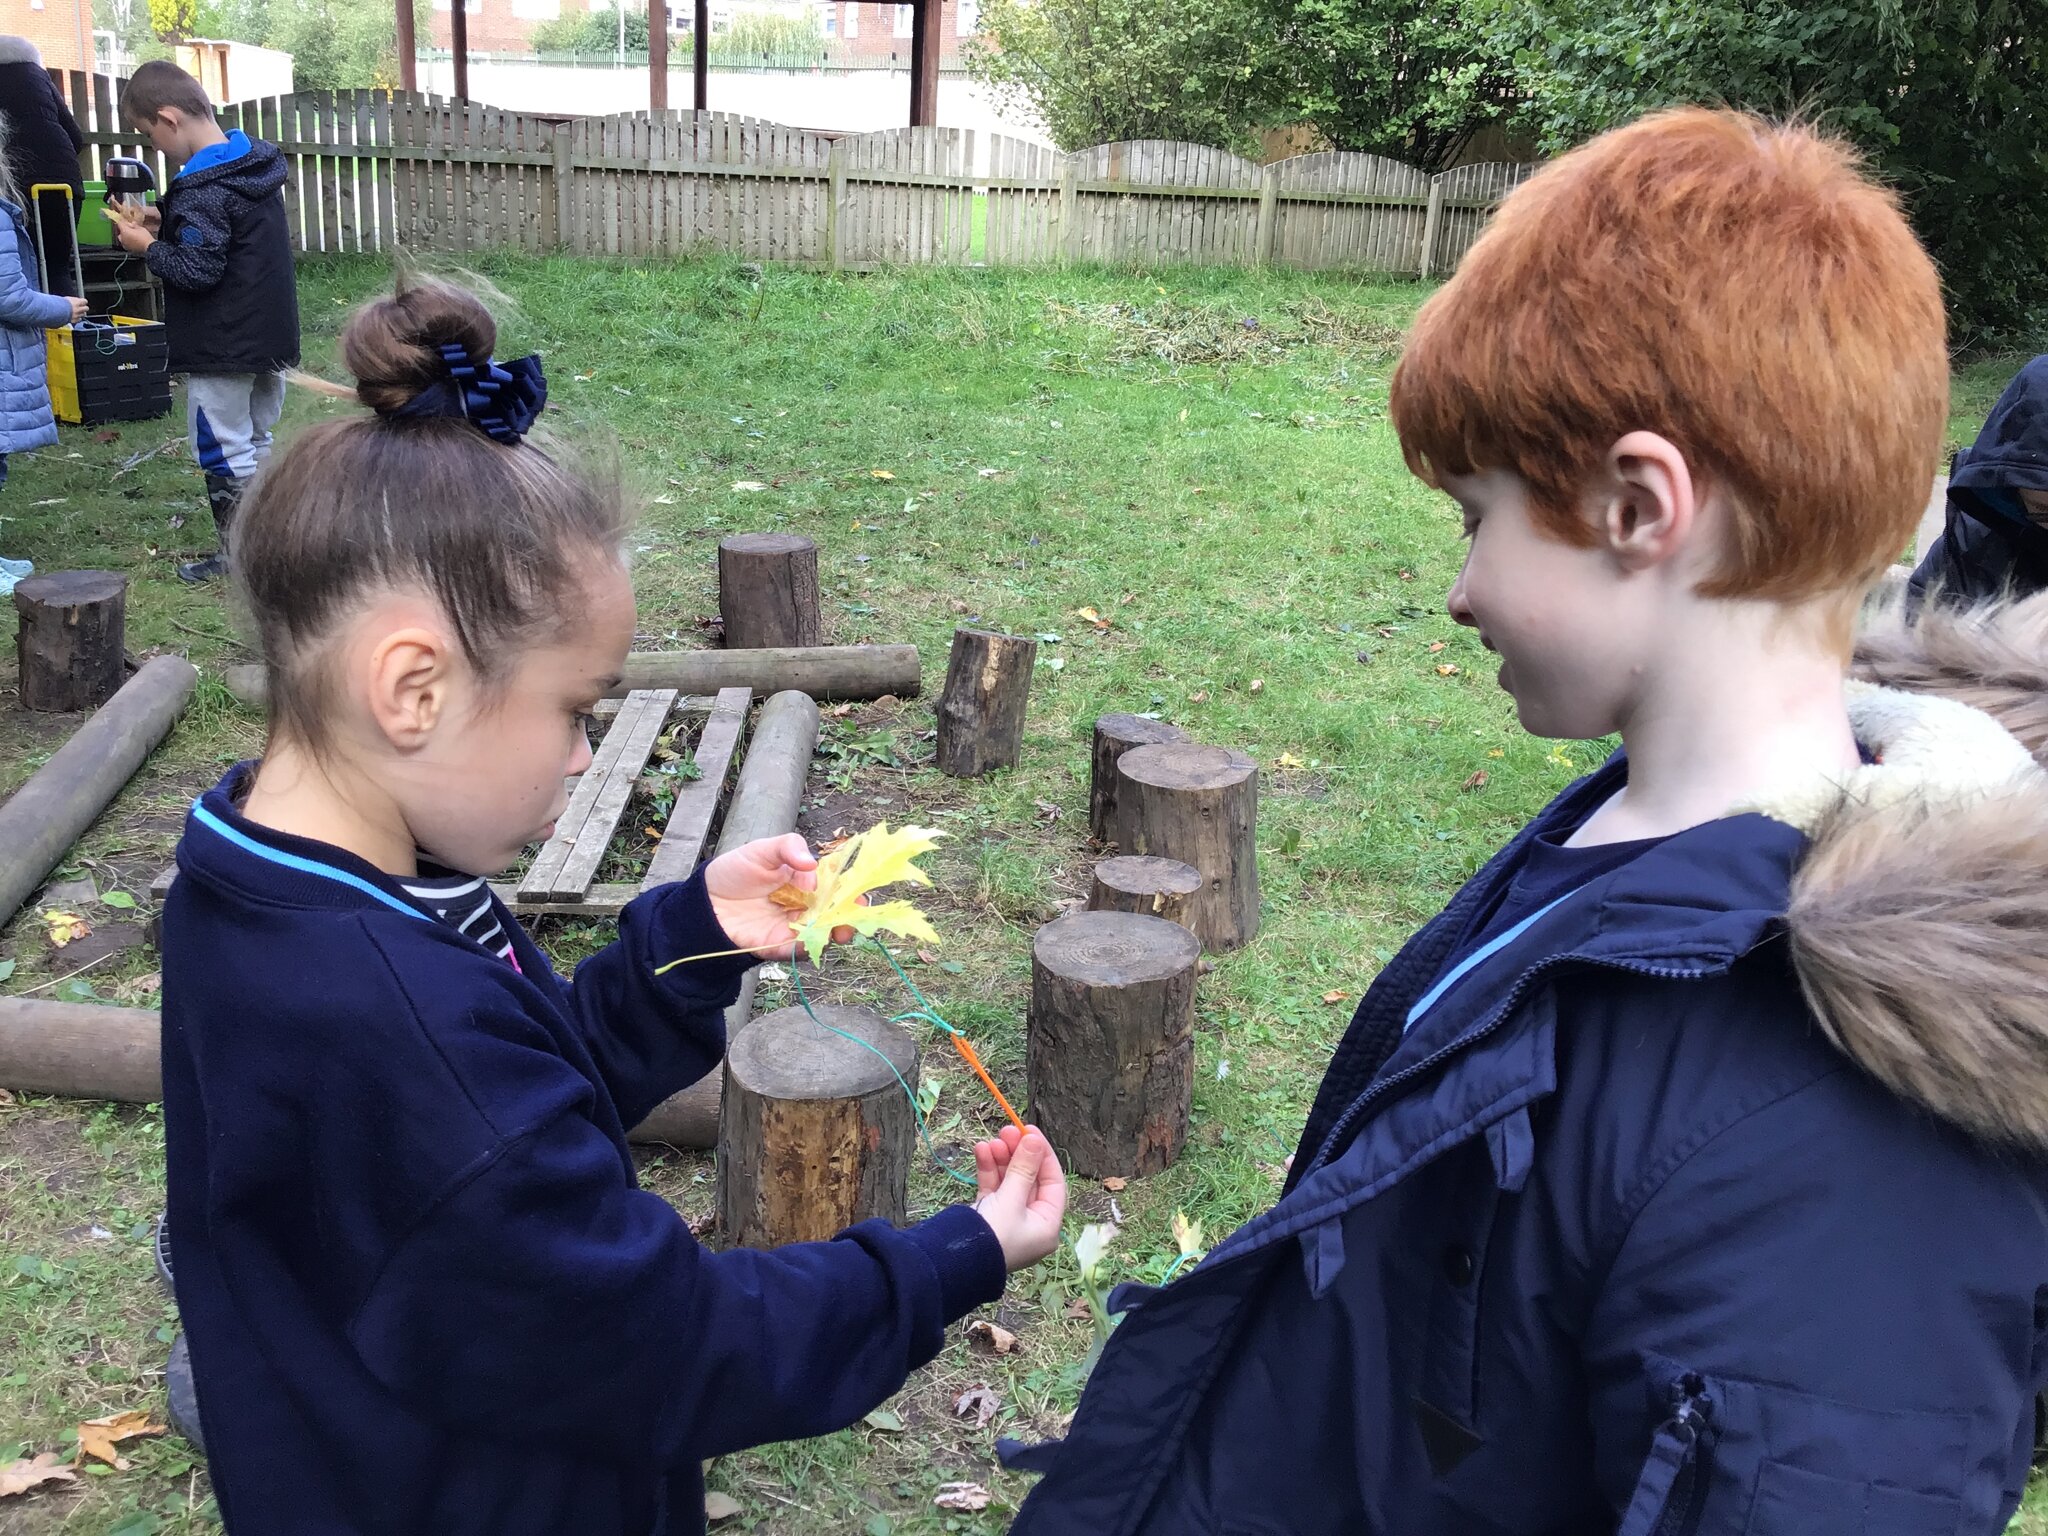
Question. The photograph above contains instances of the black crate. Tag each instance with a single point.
(122, 374)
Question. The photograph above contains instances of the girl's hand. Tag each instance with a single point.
(740, 882)
(78, 308)
(1023, 1194)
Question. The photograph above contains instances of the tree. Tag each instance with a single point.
(1413, 79)
(173, 20)
(1095, 71)
(336, 45)
(1945, 96)
(591, 34)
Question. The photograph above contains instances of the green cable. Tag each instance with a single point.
(796, 976)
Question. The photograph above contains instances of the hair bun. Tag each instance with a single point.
(393, 345)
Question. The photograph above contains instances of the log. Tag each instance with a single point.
(768, 590)
(1155, 887)
(1111, 1040)
(817, 1131)
(765, 798)
(1200, 805)
(70, 650)
(49, 813)
(981, 708)
(825, 672)
(1114, 736)
(80, 1050)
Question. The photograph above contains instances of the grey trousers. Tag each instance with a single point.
(230, 416)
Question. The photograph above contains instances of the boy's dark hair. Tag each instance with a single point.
(499, 536)
(159, 84)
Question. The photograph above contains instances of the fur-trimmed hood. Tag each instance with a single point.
(18, 50)
(1918, 918)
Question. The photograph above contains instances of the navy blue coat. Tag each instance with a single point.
(424, 1291)
(1613, 1239)
(1989, 547)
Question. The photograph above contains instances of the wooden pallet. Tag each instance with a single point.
(562, 880)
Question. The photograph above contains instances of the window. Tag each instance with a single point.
(852, 19)
(903, 15)
(967, 18)
(537, 10)
(831, 21)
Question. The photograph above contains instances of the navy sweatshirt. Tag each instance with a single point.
(423, 1290)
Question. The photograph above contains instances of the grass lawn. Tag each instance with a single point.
(1200, 458)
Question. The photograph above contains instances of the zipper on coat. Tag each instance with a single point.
(1671, 1492)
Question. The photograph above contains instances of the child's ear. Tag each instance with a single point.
(410, 673)
(1649, 504)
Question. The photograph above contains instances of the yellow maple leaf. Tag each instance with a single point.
(863, 863)
(66, 926)
(883, 474)
(98, 1437)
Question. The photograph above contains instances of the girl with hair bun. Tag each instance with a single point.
(422, 1289)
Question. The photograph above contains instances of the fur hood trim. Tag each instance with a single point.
(18, 50)
(1918, 918)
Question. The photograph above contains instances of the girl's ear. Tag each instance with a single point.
(410, 672)
(1649, 503)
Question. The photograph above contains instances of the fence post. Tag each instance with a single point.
(1431, 221)
(565, 177)
(835, 194)
(1269, 199)
(1069, 225)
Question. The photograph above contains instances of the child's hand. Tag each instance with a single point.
(134, 236)
(1023, 1194)
(78, 308)
(740, 883)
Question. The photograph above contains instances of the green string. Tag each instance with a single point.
(924, 1012)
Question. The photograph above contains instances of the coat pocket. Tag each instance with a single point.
(1790, 1501)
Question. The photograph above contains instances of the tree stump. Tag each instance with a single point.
(1111, 1052)
(1114, 736)
(70, 648)
(816, 1132)
(1200, 805)
(981, 709)
(1155, 887)
(768, 590)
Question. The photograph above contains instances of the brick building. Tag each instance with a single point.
(858, 30)
(60, 29)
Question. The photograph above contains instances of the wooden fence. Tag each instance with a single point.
(378, 170)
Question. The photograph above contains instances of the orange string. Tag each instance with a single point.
(967, 1055)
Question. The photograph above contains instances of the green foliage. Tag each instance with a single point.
(1944, 95)
(767, 38)
(1097, 71)
(336, 45)
(1414, 79)
(593, 34)
(172, 20)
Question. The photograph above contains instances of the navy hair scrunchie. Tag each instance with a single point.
(501, 400)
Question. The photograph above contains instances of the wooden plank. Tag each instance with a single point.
(569, 860)
(332, 118)
(696, 802)
(597, 901)
(104, 116)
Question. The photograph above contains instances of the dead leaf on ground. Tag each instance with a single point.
(883, 474)
(1116, 1186)
(6, 1097)
(1287, 760)
(1199, 696)
(65, 927)
(720, 1506)
(703, 1226)
(1258, 685)
(1077, 1309)
(841, 711)
(98, 1437)
(956, 605)
(140, 987)
(980, 1402)
(22, 1476)
(999, 1339)
(750, 485)
(1448, 669)
(1435, 646)
(962, 1496)
(1047, 811)
(1093, 617)
(926, 957)
(1336, 995)
(1477, 781)
(1407, 575)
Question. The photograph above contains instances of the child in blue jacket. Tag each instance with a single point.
(1995, 541)
(1688, 1175)
(26, 311)
(422, 1288)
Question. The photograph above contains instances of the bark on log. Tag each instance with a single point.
(70, 650)
(817, 1132)
(1114, 736)
(80, 1050)
(1200, 805)
(825, 672)
(1111, 1042)
(768, 590)
(1154, 887)
(765, 798)
(981, 708)
(66, 795)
